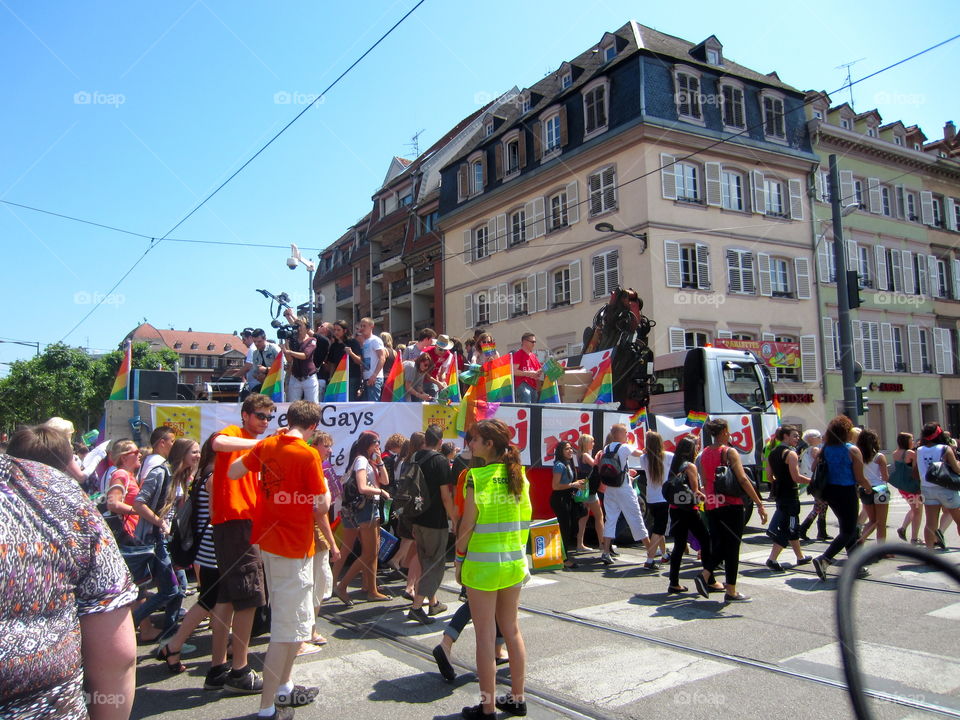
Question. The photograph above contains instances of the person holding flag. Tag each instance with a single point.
(418, 382)
(526, 369)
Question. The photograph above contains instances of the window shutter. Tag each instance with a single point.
(819, 183)
(909, 284)
(759, 197)
(522, 148)
(896, 267)
(880, 255)
(532, 293)
(923, 284)
(541, 291)
(563, 126)
(901, 209)
(573, 203)
(498, 162)
(947, 351)
(763, 266)
(714, 195)
(824, 248)
(749, 286)
(464, 190)
(468, 246)
(704, 279)
(539, 219)
(599, 276)
(469, 316)
(536, 130)
(801, 266)
(671, 261)
(613, 270)
(853, 254)
(771, 338)
(734, 282)
(847, 192)
(926, 207)
(596, 199)
(492, 243)
(677, 341)
(576, 291)
(956, 279)
(886, 346)
(938, 350)
(501, 235)
(913, 340)
(933, 276)
(808, 359)
(501, 297)
(668, 177)
(857, 341)
(873, 192)
(483, 166)
(528, 214)
(829, 358)
(796, 199)
(950, 209)
(609, 188)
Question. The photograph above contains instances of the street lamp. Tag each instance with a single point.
(608, 228)
(297, 259)
(35, 345)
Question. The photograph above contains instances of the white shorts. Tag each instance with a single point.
(623, 499)
(936, 495)
(290, 583)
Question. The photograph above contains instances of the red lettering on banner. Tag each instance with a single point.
(571, 436)
(518, 434)
(743, 439)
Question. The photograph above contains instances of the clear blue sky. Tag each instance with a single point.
(128, 114)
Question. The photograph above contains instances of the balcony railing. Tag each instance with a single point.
(400, 287)
(423, 274)
(344, 292)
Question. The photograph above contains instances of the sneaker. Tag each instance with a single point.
(281, 712)
(420, 616)
(216, 677)
(738, 598)
(297, 697)
(249, 683)
(606, 559)
(651, 565)
(902, 533)
(775, 566)
(803, 561)
(820, 564)
(666, 557)
(613, 551)
(444, 665)
(505, 703)
(436, 609)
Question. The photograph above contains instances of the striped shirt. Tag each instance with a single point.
(206, 556)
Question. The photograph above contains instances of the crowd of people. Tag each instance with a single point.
(262, 513)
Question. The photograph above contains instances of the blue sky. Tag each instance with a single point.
(128, 114)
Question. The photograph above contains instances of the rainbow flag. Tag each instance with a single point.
(638, 418)
(395, 386)
(453, 384)
(489, 349)
(336, 391)
(776, 406)
(600, 389)
(499, 379)
(549, 391)
(696, 419)
(120, 385)
(273, 384)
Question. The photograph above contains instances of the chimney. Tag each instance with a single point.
(949, 131)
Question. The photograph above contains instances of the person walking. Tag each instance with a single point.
(901, 477)
(785, 473)
(491, 562)
(813, 439)
(325, 549)
(875, 469)
(934, 448)
(620, 499)
(654, 462)
(687, 520)
(565, 508)
(586, 470)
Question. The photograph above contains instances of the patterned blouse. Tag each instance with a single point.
(58, 562)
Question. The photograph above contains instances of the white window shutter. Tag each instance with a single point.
(824, 248)
(796, 199)
(502, 231)
(468, 249)
(668, 176)
(886, 346)
(532, 294)
(875, 202)
(947, 351)
(809, 372)
(759, 197)
(528, 219)
(853, 255)
(801, 266)
(714, 195)
(671, 261)
(734, 282)
(923, 262)
(749, 284)
(704, 275)
(576, 291)
(956, 279)
(492, 243)
(677, 341)
(933, 276)
(880, 255)
(938, 350)
(541, 291)
(950, 209)
(830, 360)
(763, 267)
(896, 280)
(901, 205)
(926, 207)
(857, 341)
(847, 192)
(503, 301)
(573, 203)
(909, 284)
(469, 316)
(913, 340)
(771, 338)
(539, 218)
(819, 182)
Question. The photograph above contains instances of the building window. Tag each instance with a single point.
(937, 214)
(899, 362)
(688, 185)
(897, 140)
(864, 267)
(483, 309)
(694, 267)
(858, 192)
(695, 338)
(956, 214)
(788, 374)
(924, 352)
(488, 128)
(773, 124)
(558, 210)
(595, 109)
(513, 157)
(886, 207)
(871, 131)
(476, 177)
(713, 57)
(603, 191)
(519, 293)
(844, 123)
(606, 273)
(518, 227)
(551, 133)
(609, 52)
(688, 96)
(894, 270)
(733, 115)
(941, 287)
(912, 207)
(741, 336)
(561, 287)
(740, 278)
(731, 188)
(773, 194)
(566, 80)
(482, 246)
(780, 277)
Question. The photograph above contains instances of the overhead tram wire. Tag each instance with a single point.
(154, 244)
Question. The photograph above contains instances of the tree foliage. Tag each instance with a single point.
(67, 382)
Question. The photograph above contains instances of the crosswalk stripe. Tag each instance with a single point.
(642, 616)
(950, 612)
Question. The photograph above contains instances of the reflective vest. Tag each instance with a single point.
(496, 554)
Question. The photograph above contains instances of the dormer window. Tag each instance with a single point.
(194, 346)
(898, 140)
(845, 123)
(733, 112)
(609, 52)
(210, 346)
(524, 102)
(774, 126)
(595, 107)
(687, 98)
(818, 114)
(177, 345)
(713, 56)
(488, 128)
(871, 131)
(566, 80)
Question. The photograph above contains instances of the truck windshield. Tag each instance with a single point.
(744, 385)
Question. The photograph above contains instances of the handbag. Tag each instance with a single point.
(939, 473)
(724, 480)
(820, 477)
(902, 478)
(676, 488)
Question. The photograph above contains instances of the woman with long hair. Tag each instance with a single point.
(845, 471)
(784, 473)
(391, 353)
(654, 462)
(342, 343)
(687, 520)
(567, 510)
(876, 472)
(183, 460)
(491, 562)
(585, 470)
(724, 513)
(904, 458)
(420, 386)
(370, 475)
(934, 448)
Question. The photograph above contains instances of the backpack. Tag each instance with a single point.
(676, 488)
(185, 536)
(352, 498)
(412, 498)
(610, 469)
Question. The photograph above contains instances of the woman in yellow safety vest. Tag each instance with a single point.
(491, 561)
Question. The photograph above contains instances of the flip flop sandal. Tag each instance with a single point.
(164, 655)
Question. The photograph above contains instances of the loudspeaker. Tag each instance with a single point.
(154, 385)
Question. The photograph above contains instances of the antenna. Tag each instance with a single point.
(849, 84)
(414, 143)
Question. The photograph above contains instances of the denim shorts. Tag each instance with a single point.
(936, 495)
(354, 518)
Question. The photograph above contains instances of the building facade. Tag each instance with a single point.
(203, 355)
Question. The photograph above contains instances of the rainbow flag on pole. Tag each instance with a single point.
(500, 379)
(600, 389)
(336, 391)
(122, 383)
(638, 418)
(696, 419)
(549, 391)
(273, 384)
(776, 407)
(452, 393)
(395, 386)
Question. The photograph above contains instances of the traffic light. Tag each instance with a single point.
(862, 400)
(853, 289)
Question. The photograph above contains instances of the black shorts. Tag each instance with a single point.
(241, 572)
(208, 581)
(659, 512)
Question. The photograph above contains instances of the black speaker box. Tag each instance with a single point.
(154, 385)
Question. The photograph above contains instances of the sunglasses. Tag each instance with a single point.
(263, 416)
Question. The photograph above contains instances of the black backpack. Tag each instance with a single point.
(610, 469)
(676, 488)
(412, 498)
(185, 535)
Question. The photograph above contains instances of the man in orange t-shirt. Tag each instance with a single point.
(292, 497)
(240, 589)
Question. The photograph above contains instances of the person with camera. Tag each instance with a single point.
(298, 352)
(260, 357)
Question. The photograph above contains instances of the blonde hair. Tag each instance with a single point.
(121, 448)
(61, 425)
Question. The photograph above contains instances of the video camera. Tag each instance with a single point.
(285, 332)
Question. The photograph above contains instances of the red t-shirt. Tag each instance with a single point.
(522, 360)
(291, 478)
(439, 358)
(709, 462)
(232, 499)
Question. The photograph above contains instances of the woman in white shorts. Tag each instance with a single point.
(933, 449)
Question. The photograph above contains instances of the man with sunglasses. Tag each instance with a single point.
(260, 357)
(233, 505)
(526, 369)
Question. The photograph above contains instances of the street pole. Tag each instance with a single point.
(843, 299)
(310, 295)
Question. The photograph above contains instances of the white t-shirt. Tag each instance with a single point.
(370, 360)
(925, 456)
(362, 463)
(806, 461)
(655, 490)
